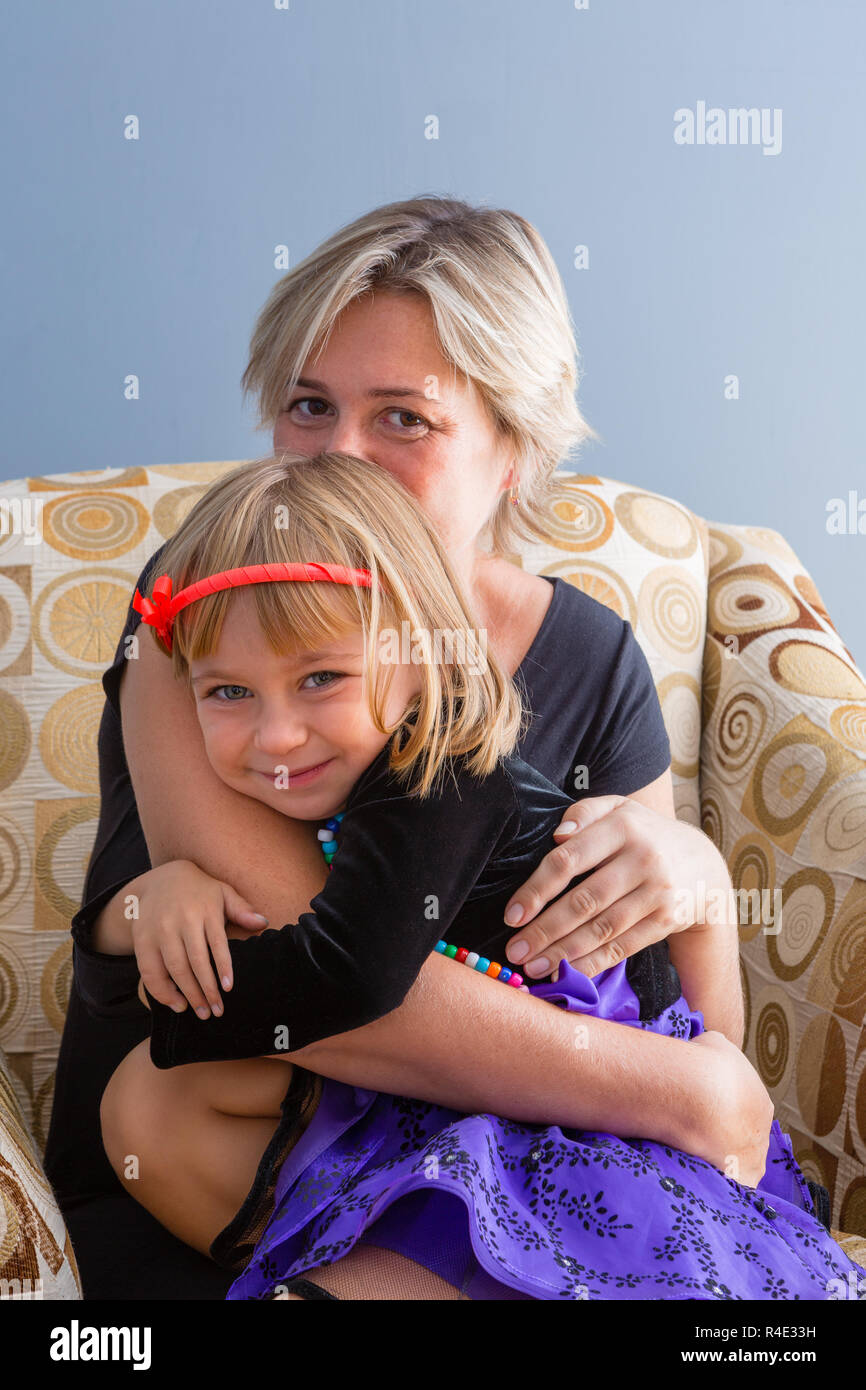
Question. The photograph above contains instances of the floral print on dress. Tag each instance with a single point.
(550, 1212)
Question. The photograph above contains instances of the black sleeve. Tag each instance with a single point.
(403, 869)
(632, 747)
(108, 984)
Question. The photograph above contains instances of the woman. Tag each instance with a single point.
(434, 340)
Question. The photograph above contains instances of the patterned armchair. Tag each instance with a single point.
(764, 705)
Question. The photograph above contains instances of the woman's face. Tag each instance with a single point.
(382, 390)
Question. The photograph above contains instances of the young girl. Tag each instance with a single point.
(341, 690)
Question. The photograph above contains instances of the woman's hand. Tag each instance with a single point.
(735, 1136)
(643, 861)
(180, 924)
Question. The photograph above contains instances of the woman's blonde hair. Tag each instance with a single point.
(338, 509)
(500, 315)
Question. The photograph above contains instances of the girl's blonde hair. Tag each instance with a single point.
(337, 509)
(500, 315)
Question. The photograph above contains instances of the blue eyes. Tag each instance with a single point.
(224, 687)
(331, 677)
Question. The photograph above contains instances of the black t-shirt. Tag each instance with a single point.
(407, 873)
(593, 703)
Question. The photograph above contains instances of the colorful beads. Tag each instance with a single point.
(328, 838)
(483, 965)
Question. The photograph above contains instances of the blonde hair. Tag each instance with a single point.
(500, 315)
(338, 509)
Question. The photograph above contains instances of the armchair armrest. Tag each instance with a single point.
(39, 1261)
(783, 795)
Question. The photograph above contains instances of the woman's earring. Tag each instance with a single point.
(515, 496)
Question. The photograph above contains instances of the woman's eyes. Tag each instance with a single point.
(214, 691)
(308, 400)
(409, 419)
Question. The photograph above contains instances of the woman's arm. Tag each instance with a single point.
(702, 1097)
(522, 1057)
(573, 1070)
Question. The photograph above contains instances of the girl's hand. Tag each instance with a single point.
(736, 1135)
(181, 922)
(627, 904)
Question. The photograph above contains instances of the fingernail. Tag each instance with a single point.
(203, 1012)
(517, 950)
(514, 915)
(540, 966)
(260, 916)
(226, 982)
(566, 827)
(178, 1008)
(217, 1010)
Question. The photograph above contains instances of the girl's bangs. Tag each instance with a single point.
(306, 613)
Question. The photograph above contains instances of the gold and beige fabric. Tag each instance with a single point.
(36, 1256)
(764, 705)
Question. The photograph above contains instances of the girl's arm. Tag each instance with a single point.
(596, 1070)
(178, 934)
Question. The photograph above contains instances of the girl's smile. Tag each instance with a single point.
(301, 777)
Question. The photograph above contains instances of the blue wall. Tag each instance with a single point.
(261, 126)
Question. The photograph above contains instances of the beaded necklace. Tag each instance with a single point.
(328, 837)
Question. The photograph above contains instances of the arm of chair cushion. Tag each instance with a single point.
(783, 795)
(33, 1220)
(784, 712)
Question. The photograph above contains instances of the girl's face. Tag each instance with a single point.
(268, 719)
(381, 390)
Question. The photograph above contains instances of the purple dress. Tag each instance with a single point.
(509, 1210)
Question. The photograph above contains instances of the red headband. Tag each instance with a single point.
(161, 610)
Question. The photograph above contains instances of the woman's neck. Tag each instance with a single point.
(509, 604)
